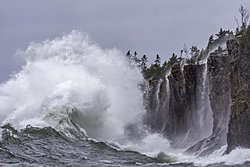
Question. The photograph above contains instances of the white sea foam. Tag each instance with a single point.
(237, 156)
(72, 76)
(150, 145)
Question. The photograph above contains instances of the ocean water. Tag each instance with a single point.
(76, 104)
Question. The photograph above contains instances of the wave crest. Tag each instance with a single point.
(73, 78)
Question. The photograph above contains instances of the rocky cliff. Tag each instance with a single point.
(176, 105)
(219, 83)
(205, 104)
(239, 124)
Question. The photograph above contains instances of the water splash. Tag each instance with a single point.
(205, 111)
(73, 78)
(157, 93)
(237, 156)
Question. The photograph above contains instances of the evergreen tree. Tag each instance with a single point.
(211, 39)
(181, 52)
(173, 59)
(128, 55)
(221, 33)
(135, 58)
(144, 61)
(157, 61)
(135, 54)
(165, 65)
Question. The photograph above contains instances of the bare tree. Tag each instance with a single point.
(237, 22)
(244, 13)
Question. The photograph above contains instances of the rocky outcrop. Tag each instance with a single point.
(239, 124)
(219, 83)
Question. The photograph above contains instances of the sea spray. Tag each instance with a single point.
(71, 78)
(237, 156)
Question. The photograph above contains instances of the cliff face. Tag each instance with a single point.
(239, 124)
(188, 105)
(177, 104)
(157, 103)
(219, 83)
(205, 106)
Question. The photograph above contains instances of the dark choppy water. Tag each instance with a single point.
(47, 147)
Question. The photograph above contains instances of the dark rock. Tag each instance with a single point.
(239, 131)
(219, 83)
(207, 105)
(186, 117)
(175, 105)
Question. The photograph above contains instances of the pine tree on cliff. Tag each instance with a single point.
(158, 61)
(165, 65)
(144, 61)
(134, 59)
(128, 55)
(173, 59)
(181, 52)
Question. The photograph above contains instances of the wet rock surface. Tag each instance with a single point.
(219, 82)
(239, 132)
(175, 103)
(205, 106)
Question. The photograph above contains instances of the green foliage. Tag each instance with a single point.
(245, 39)
(156, 70)
(172, 59)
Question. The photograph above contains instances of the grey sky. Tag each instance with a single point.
(148, 26)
